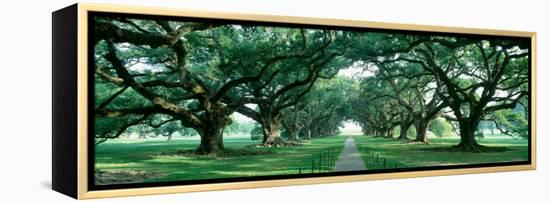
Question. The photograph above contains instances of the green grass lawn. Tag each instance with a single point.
(130, 161)
(156, 160)
(402, 155)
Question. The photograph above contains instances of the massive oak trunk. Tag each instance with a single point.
(211, 141)
(389, 133)
(308, 134)
(404, 128)
(307, 128)
(293, 136)
(421, 122)
(313, 129)
(212, 132)
(421, 130)
(468, 127)
(293, 132)
(380, 133)
(293, 129)
(270, 124)
(271, 133)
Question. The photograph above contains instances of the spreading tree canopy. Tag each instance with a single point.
(189, 77)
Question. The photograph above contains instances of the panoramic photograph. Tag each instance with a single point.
(185, 99)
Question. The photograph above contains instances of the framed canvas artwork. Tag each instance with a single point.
(156, 100)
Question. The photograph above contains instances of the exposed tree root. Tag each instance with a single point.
(209, 151)
(295, 142)
(216, 154)
(476, 148)
(275, 144)
(124, 176)
(278, 142)
(418, 142)
(247, 151)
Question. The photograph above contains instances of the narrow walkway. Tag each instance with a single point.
(350, 158)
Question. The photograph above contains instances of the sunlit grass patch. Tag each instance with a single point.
(437, 153)
(176, 159)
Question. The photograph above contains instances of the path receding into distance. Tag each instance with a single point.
(350, 158)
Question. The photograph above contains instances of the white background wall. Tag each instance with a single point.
(25, 90)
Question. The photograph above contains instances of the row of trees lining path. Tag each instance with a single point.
(155, 73)
(463, 80)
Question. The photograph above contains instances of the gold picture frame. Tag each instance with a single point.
(78, 187)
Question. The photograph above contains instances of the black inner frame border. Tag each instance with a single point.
(91, 99)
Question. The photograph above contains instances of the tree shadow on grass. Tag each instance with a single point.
(103, 177)
(479, 149)
(225, 154)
